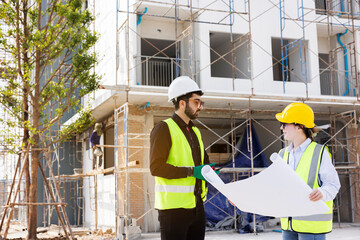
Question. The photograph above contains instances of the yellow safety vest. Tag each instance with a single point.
(179, 193)
(308, 170)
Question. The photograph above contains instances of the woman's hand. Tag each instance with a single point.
(231, 203)
(316, 195)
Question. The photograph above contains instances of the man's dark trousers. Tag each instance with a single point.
(182, 224)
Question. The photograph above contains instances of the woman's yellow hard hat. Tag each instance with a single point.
(298, 113)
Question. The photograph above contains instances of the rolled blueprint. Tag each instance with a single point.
(211, 176)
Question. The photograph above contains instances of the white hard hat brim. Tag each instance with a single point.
(181, 86)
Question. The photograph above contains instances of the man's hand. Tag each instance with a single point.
(316, 195)
(94, 147)
(197, 171)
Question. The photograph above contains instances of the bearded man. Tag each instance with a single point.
(177, 156)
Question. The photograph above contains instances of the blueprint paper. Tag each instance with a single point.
(276, 191)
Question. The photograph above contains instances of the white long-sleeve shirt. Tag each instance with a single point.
(328, 177)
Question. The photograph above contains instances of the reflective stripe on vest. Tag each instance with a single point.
(179, 193)
(317, 217)
(174, 188)
(308, 171)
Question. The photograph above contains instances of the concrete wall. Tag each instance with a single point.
(323, 45)
(140, 197)
(151, 223)
(105, 194)
(105, 202)
(352, 207)
(157, 28)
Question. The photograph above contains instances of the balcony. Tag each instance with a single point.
(339, 8)
(333, 85)
(338, 71)
(160, 71)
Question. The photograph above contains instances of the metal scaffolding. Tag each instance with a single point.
(340, 113)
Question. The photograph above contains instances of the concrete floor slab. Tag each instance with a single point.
(345, 232)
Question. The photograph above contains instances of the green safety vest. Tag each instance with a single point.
(179, 193)
(308, 170)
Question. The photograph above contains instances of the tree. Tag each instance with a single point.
(50, 69)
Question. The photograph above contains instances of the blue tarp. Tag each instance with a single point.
(217, 207)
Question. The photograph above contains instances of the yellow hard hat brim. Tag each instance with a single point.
(280, 118)
(310, 125)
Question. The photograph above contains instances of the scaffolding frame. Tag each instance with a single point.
(303, 12)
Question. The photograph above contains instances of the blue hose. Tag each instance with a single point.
(139, 16)
(339, 35)
(341, 8)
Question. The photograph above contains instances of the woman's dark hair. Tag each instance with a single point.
(185, 98)
(309, 132)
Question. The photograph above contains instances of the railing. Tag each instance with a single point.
(335, 85)
(160, 71)
(328, 85)
(340, 8)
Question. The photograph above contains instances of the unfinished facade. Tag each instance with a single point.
(251, 58)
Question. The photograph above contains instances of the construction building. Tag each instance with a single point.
(251, 58)
(8, 156)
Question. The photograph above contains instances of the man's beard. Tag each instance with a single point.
(190, 113)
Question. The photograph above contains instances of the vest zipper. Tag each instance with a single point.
(290, 224)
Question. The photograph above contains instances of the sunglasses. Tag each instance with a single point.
(283, 125)
(198, 102)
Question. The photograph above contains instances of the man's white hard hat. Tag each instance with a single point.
(180, 86)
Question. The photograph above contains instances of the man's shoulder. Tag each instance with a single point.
(162, 123)
(160, 127)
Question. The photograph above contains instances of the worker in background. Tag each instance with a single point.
(312, 162)
(177, 156)
(95, 141)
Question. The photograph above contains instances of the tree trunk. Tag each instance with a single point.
(25, 92)
(25, 142)
(35, 158)
(27, 183)
(33, 191)
(35, 150)
(35, 154)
